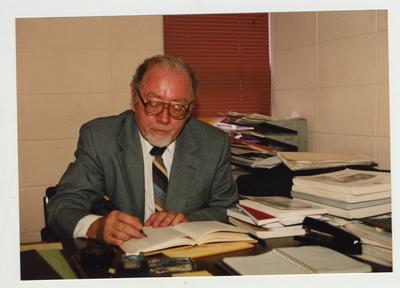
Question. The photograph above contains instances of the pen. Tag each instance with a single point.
(158, 207)
(110, 206)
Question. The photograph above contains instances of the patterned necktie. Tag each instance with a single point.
(160, 178)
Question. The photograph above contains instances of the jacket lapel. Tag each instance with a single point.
(184, 171)
(130, 159)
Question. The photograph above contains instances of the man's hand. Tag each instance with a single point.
(115, 228)
(165, 218)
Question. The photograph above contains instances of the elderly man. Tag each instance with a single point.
(155, 165)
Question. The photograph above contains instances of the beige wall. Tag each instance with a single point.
(68, 72)
(332, 68)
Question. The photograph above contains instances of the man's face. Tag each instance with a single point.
(160, 83)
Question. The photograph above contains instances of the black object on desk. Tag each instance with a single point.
(262, 242)
(34, 267)
(325, 234)
(384, 224)
(97, 255)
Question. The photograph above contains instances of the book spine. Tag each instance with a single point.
(239, 215)
(259, 217)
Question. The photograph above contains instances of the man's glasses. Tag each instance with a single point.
(154, 108)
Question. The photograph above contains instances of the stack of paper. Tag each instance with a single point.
(348, 193)
(272, 216)
(313, 160)
(376, 238)
(252, 154)
(376, 244)
(256, 138)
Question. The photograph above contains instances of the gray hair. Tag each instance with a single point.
(172, 62)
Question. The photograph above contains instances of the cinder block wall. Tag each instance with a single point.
(70, 70)
(332, 68)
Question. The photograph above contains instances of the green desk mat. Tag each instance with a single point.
(56, 260)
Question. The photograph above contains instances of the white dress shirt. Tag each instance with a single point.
(149, 208)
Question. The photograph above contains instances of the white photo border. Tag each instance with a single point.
(10, 10)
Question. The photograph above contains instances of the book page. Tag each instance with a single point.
(206, 249)
(200, 230)
(157, 238)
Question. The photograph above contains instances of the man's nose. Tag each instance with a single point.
(164, 117)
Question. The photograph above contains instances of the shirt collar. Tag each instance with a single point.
(146, 146)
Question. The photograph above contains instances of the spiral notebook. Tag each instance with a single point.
(296, 260)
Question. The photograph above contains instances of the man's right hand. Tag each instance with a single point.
(115, 228)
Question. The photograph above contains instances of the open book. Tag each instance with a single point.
(296, 260)
(188, 233)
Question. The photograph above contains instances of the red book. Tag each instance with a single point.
(260, 218)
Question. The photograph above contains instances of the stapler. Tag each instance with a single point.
(321, 233)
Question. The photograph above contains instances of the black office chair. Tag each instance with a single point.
(47, 234)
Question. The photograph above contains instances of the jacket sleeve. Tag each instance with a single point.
(80, 185)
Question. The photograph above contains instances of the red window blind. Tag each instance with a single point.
(230, 56)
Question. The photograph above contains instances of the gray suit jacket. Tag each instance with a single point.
(109, 160)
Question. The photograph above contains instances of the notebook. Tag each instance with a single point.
(296, 260)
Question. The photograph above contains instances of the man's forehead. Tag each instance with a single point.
(165, 68)
(160, 73)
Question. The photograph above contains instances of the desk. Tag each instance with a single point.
(71, 248)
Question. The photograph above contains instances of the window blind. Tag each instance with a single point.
(230, 56)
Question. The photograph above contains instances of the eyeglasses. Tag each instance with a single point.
(154, 108)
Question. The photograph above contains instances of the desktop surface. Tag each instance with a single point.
(212, 264)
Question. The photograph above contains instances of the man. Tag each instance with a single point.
(113, 160)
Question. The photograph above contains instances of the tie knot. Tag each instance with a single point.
(157, 151)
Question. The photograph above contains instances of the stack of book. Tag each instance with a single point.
(272, 216)
(375, 234)
(315, 160)
(376, 243)
(349, 193)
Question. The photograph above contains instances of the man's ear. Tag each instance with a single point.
(190, 109)
(133, 98)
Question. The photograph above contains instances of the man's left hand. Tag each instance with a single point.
(165, 218)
